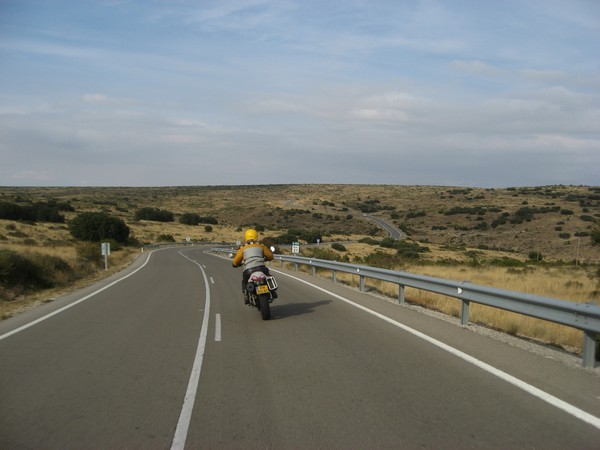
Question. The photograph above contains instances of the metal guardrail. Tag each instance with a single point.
(582, 316)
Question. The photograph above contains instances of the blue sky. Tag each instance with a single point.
(154, 93)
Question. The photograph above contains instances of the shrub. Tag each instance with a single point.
(282, 239)
(154, 214)
(595, 235)
(324, 253)
(17, 270)
(208, 228)
(414, 214)
(189, 219)
(369, 240)
(381, 260)
(43, 212)
(535, 256)
(307, 235)
(95, 227)
(339, 247)
(212, 221)
(166, 238)
(89, 252)
(505, 261)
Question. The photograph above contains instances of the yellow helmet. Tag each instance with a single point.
(250, 235)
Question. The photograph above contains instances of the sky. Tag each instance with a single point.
(477, 93)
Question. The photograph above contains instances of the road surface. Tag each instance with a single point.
(393, 232)
(169, 357)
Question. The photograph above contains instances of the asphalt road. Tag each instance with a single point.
(394, 232)
(169, 357)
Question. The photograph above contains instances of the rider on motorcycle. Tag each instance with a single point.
(252, 255)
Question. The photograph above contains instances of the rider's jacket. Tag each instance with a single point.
(252, 255)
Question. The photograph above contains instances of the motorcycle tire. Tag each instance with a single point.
(265, 308)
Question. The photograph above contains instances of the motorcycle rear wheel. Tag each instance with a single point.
(263, 305)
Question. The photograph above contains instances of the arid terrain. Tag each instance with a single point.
(554, 221)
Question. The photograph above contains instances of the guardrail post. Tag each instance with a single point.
(401, 294)
(464, 313)
(362, 284)
(295, 267)
(314, 271)
(589, 349)
(334, 276)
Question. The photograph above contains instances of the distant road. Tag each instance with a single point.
(394, 232)
(171, 358)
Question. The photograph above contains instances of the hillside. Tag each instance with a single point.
(555, 221)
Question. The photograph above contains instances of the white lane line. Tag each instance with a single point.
(218, 328)
(183, 424)
(212, 281)
(542, 395)
(70, 305)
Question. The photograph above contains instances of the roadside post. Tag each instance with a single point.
(105, 253)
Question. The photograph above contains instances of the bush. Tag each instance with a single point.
(505, 261)
(17, 270)
(309, 236)
(212, 221)
(43, 212)
(89, 252)
(369, 241)
(339, 247)
(189, 219)
(283, 239)
(96, 227)
(595, 235)
(381, 260)
(208, 228)
(166, 238)
(154, 214)
(410, 250)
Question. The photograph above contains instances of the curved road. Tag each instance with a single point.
(169, 357)
(394, 232)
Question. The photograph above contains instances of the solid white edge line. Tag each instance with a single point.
(542, 395)
(183, 424)
(70, 305)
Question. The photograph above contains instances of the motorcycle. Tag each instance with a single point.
(260, 293)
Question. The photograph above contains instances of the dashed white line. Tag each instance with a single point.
(218, 328)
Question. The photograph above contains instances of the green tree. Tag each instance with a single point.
(98, 226)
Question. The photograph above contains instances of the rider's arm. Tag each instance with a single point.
(238, 258)
(267, 253)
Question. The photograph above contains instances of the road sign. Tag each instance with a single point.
(105, 252)
(295, 247)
